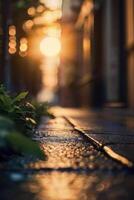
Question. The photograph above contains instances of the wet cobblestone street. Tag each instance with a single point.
(78, 165)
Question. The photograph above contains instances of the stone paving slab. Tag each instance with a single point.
(102, 125)
(107, 131)
(58, 123)
(105, 127)
(126, 150)
(106, 139)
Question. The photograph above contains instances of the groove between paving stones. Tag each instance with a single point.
(112, 154)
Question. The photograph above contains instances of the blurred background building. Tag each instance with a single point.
(73, 53)
(99, 49)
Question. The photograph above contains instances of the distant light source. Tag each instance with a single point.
(54, 31)
(23, 47)
(28, 25)
(12, 50)
(12, 40)
(31, 11)
(52, 4)
(12, 44)
(50, 46)
(12, 30)
(40, 9)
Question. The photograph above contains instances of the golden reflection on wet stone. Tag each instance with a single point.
(63, 186)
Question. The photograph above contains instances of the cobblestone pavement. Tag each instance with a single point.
(85, 160)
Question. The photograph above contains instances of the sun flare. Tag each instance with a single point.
(50, 46)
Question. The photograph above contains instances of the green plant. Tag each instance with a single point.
(18, 109)
(26, 115)
(18, 119)
(42, 109)
(12, 141)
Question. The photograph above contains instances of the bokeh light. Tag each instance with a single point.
(52, 4)
(31, 11)
(53, 31)
(12, 30)
(28, 25)
(12, 44)
(12, 40)
(23, 47)
(40, 9)
(12, 50)
(50, 46)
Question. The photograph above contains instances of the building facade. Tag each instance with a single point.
(102, 40)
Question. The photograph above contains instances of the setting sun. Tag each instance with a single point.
(50, 46)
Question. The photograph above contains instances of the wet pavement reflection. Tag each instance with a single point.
(66, 186)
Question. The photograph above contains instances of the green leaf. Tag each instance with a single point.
(6, 124)
(20, 97)
(24, 145)
(5, 99)
(2, 90)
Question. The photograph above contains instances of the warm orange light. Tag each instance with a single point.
(23, 40)
(31, 11)
(23, 47)
(48, 17)
(12, 30)
(12, 40)
(12, 44)
(12, 50)
(86, 44)
(52, 4)
(51, 16)
(50, 46)
(52, 31)
(23, 54)
(28, 25)
(23, 44)
(40, 9)
(57, 14)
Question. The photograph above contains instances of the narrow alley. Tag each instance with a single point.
(66, 100)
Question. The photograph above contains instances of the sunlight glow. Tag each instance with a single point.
(40, 9)
(31, 11)
(50, 46)
(53, 31)
(52, 4)
(48, 17)
(28, 25)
